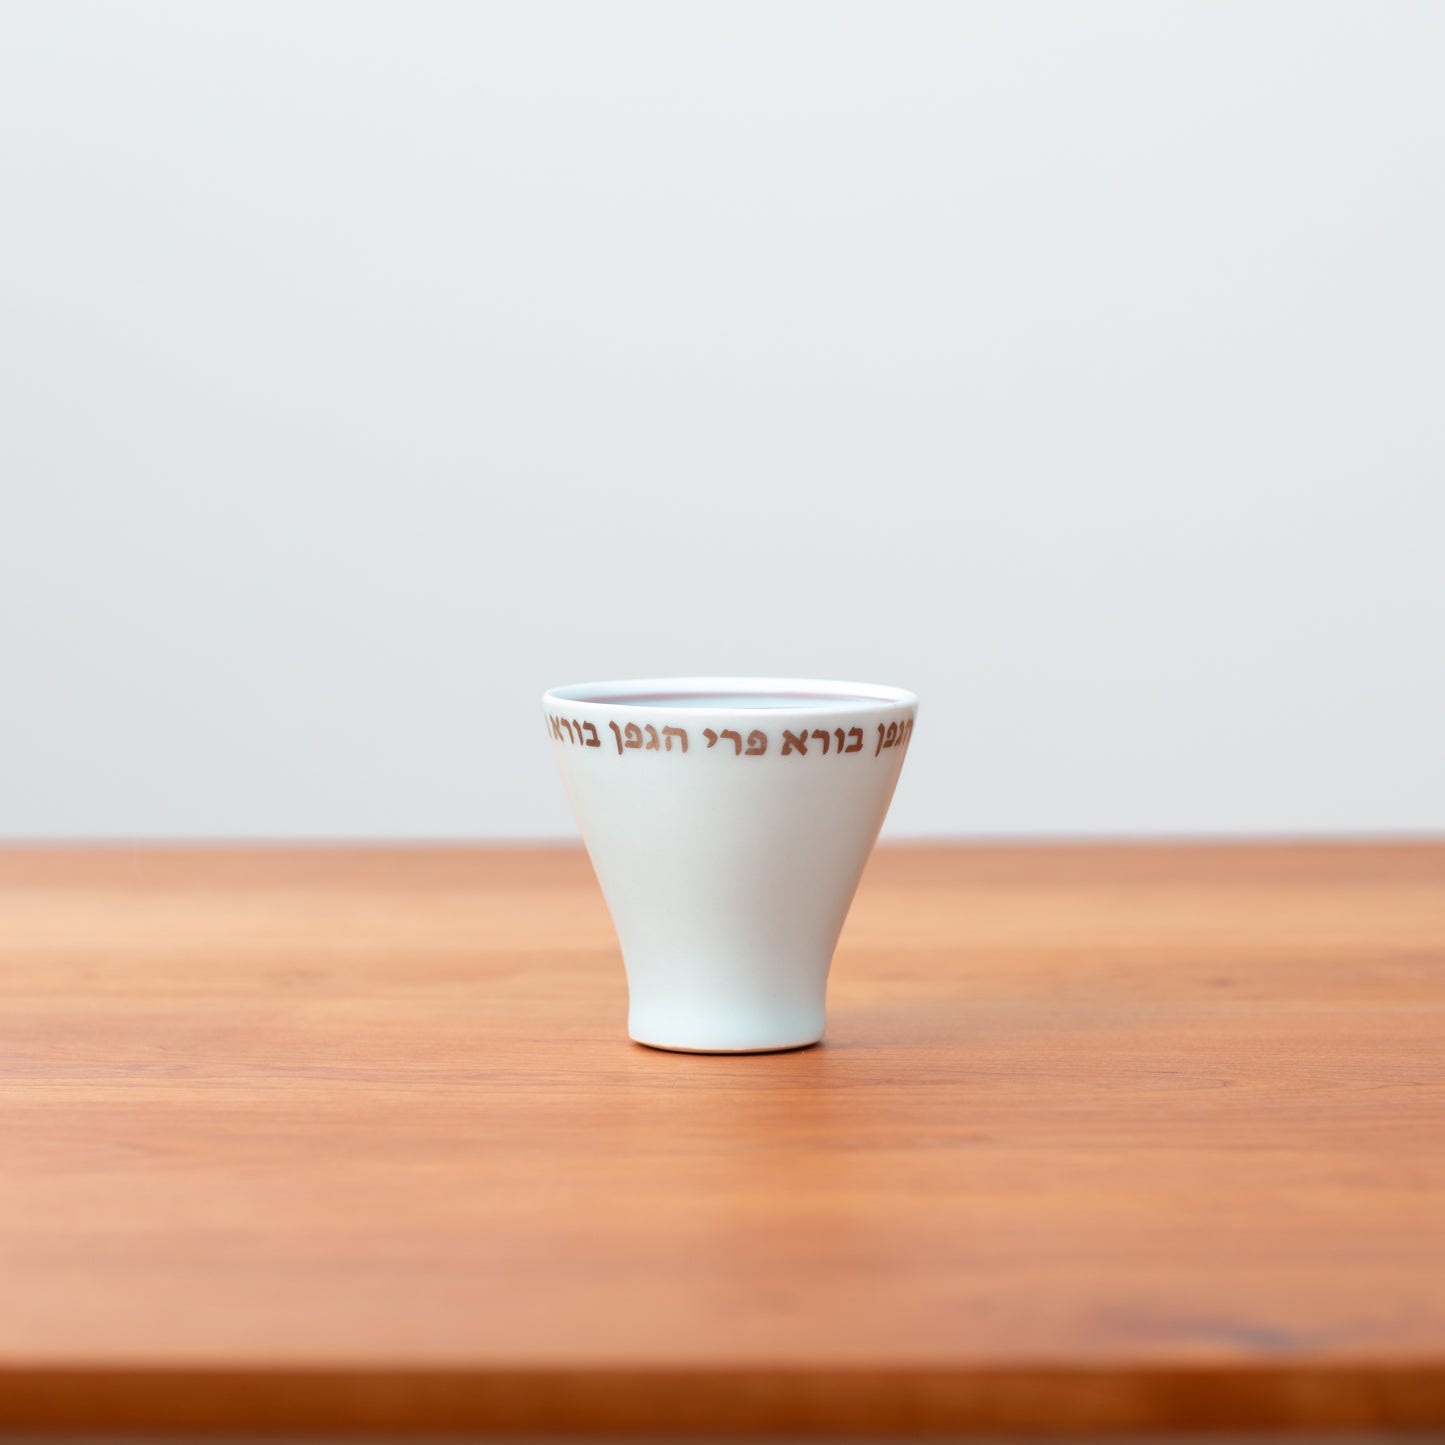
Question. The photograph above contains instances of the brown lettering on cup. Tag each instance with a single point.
(896, 734)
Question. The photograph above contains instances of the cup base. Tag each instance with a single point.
(755, 1049)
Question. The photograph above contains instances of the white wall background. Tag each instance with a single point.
(365, 368)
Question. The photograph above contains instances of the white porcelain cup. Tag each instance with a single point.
(728, 820)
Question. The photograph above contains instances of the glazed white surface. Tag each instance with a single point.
(728, 844)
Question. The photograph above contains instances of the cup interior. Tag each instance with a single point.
(734, 694)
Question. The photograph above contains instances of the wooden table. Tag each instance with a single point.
(1100, 1138)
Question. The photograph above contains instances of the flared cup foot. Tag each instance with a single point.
(719, 1049)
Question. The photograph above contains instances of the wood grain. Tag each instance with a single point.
(1100, 1138)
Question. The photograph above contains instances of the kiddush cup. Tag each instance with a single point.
(728, 820)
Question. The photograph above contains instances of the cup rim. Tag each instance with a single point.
(832, 696)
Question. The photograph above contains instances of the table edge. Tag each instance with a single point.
(1054, 1400)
